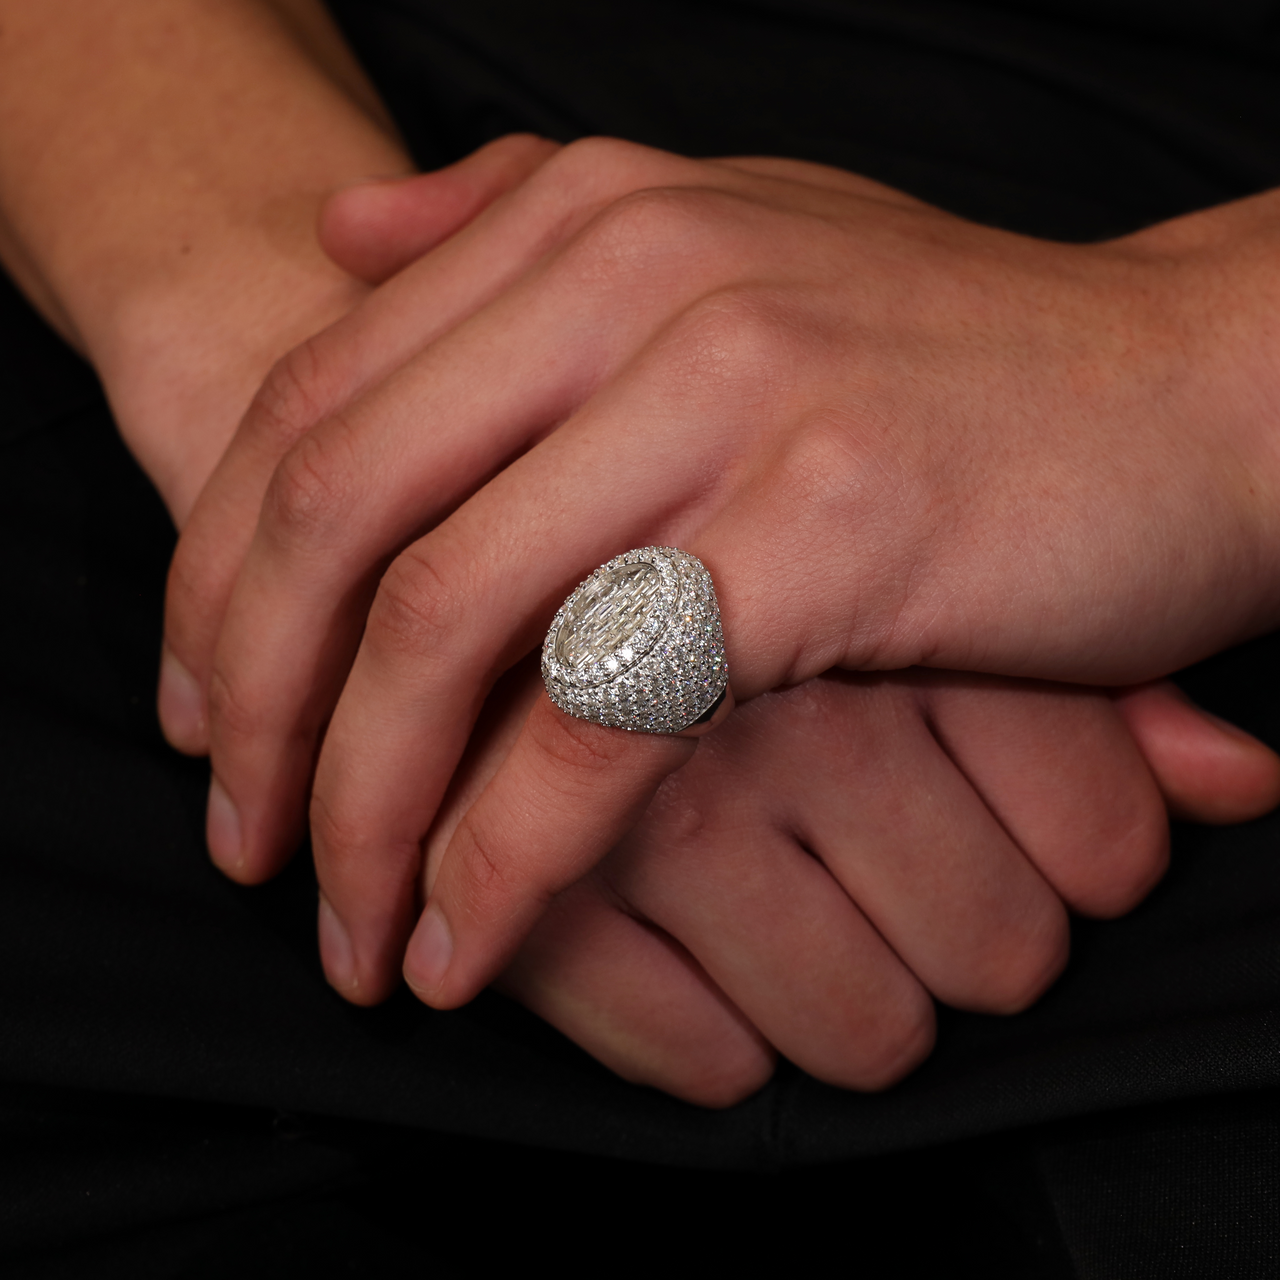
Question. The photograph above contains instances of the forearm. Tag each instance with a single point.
(161, 167)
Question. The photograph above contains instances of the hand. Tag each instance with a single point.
(895, 437)
(836, 853)
(842, 1004)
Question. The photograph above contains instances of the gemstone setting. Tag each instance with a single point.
(638, 645)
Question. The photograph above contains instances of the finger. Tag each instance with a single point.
(418, 441)
(635, 1000)
(299, 605)
(494, 734)
(818, 980)
(909, 841)
(770, 925)
(628, 994)
(906, 836)
(454, 609)
(821, 177)
(313, 381)
(474, 595)
(374, 229)
(1060, 770)
(326, 373)
(1207, 769)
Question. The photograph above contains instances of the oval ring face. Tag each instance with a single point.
(639, 645)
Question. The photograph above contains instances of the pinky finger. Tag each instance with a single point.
(1208, 770)
(637, 1002)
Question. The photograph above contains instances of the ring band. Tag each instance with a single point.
(638, 645)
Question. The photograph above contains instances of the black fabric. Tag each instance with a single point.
(1165, 1192)
(180, 1092)
(132, 1187)
(1069, 128)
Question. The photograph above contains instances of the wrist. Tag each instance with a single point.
(182, 357)
(1220, 281)
(161, 169)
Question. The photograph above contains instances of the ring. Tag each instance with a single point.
(638, 645)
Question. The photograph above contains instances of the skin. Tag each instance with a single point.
(837, 853)
(717, 893)
(162, 166)
(195, 267)
(845, 403)
(378, 887)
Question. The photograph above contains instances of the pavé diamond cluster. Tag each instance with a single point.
(638, 645)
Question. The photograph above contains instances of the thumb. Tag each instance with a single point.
(1208, 770)
(375, 228)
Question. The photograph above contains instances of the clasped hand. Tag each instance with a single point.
(899, 440)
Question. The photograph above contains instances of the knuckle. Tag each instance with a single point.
(189, 597)
(903, 1039)
(581, 178)
(1013, 976)
(869, 1044)
(680, 816)
(293, 397)
(831, 470)
(311, 492)
(587, 162)
(235, 715)
(333, 832)
(353, 856)
(650, 215)
(483, 884)
(1135, 858)
(655, 231)
(676, 839)
(724, 1078)
(1105, 864)
(737, 317)
(737, 341)
(416, 612)
(486, 872)
(516, 145)
(838, 471)
(819, 463)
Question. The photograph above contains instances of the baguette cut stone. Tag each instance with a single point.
(604, 618)
(639, 644)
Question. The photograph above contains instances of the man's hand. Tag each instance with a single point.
(837, 853)
(895, 438)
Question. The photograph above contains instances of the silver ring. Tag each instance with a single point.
(638, 645)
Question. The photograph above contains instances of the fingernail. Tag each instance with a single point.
(336, 954)
(430, 951)
(222, 830)
(180, 705)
